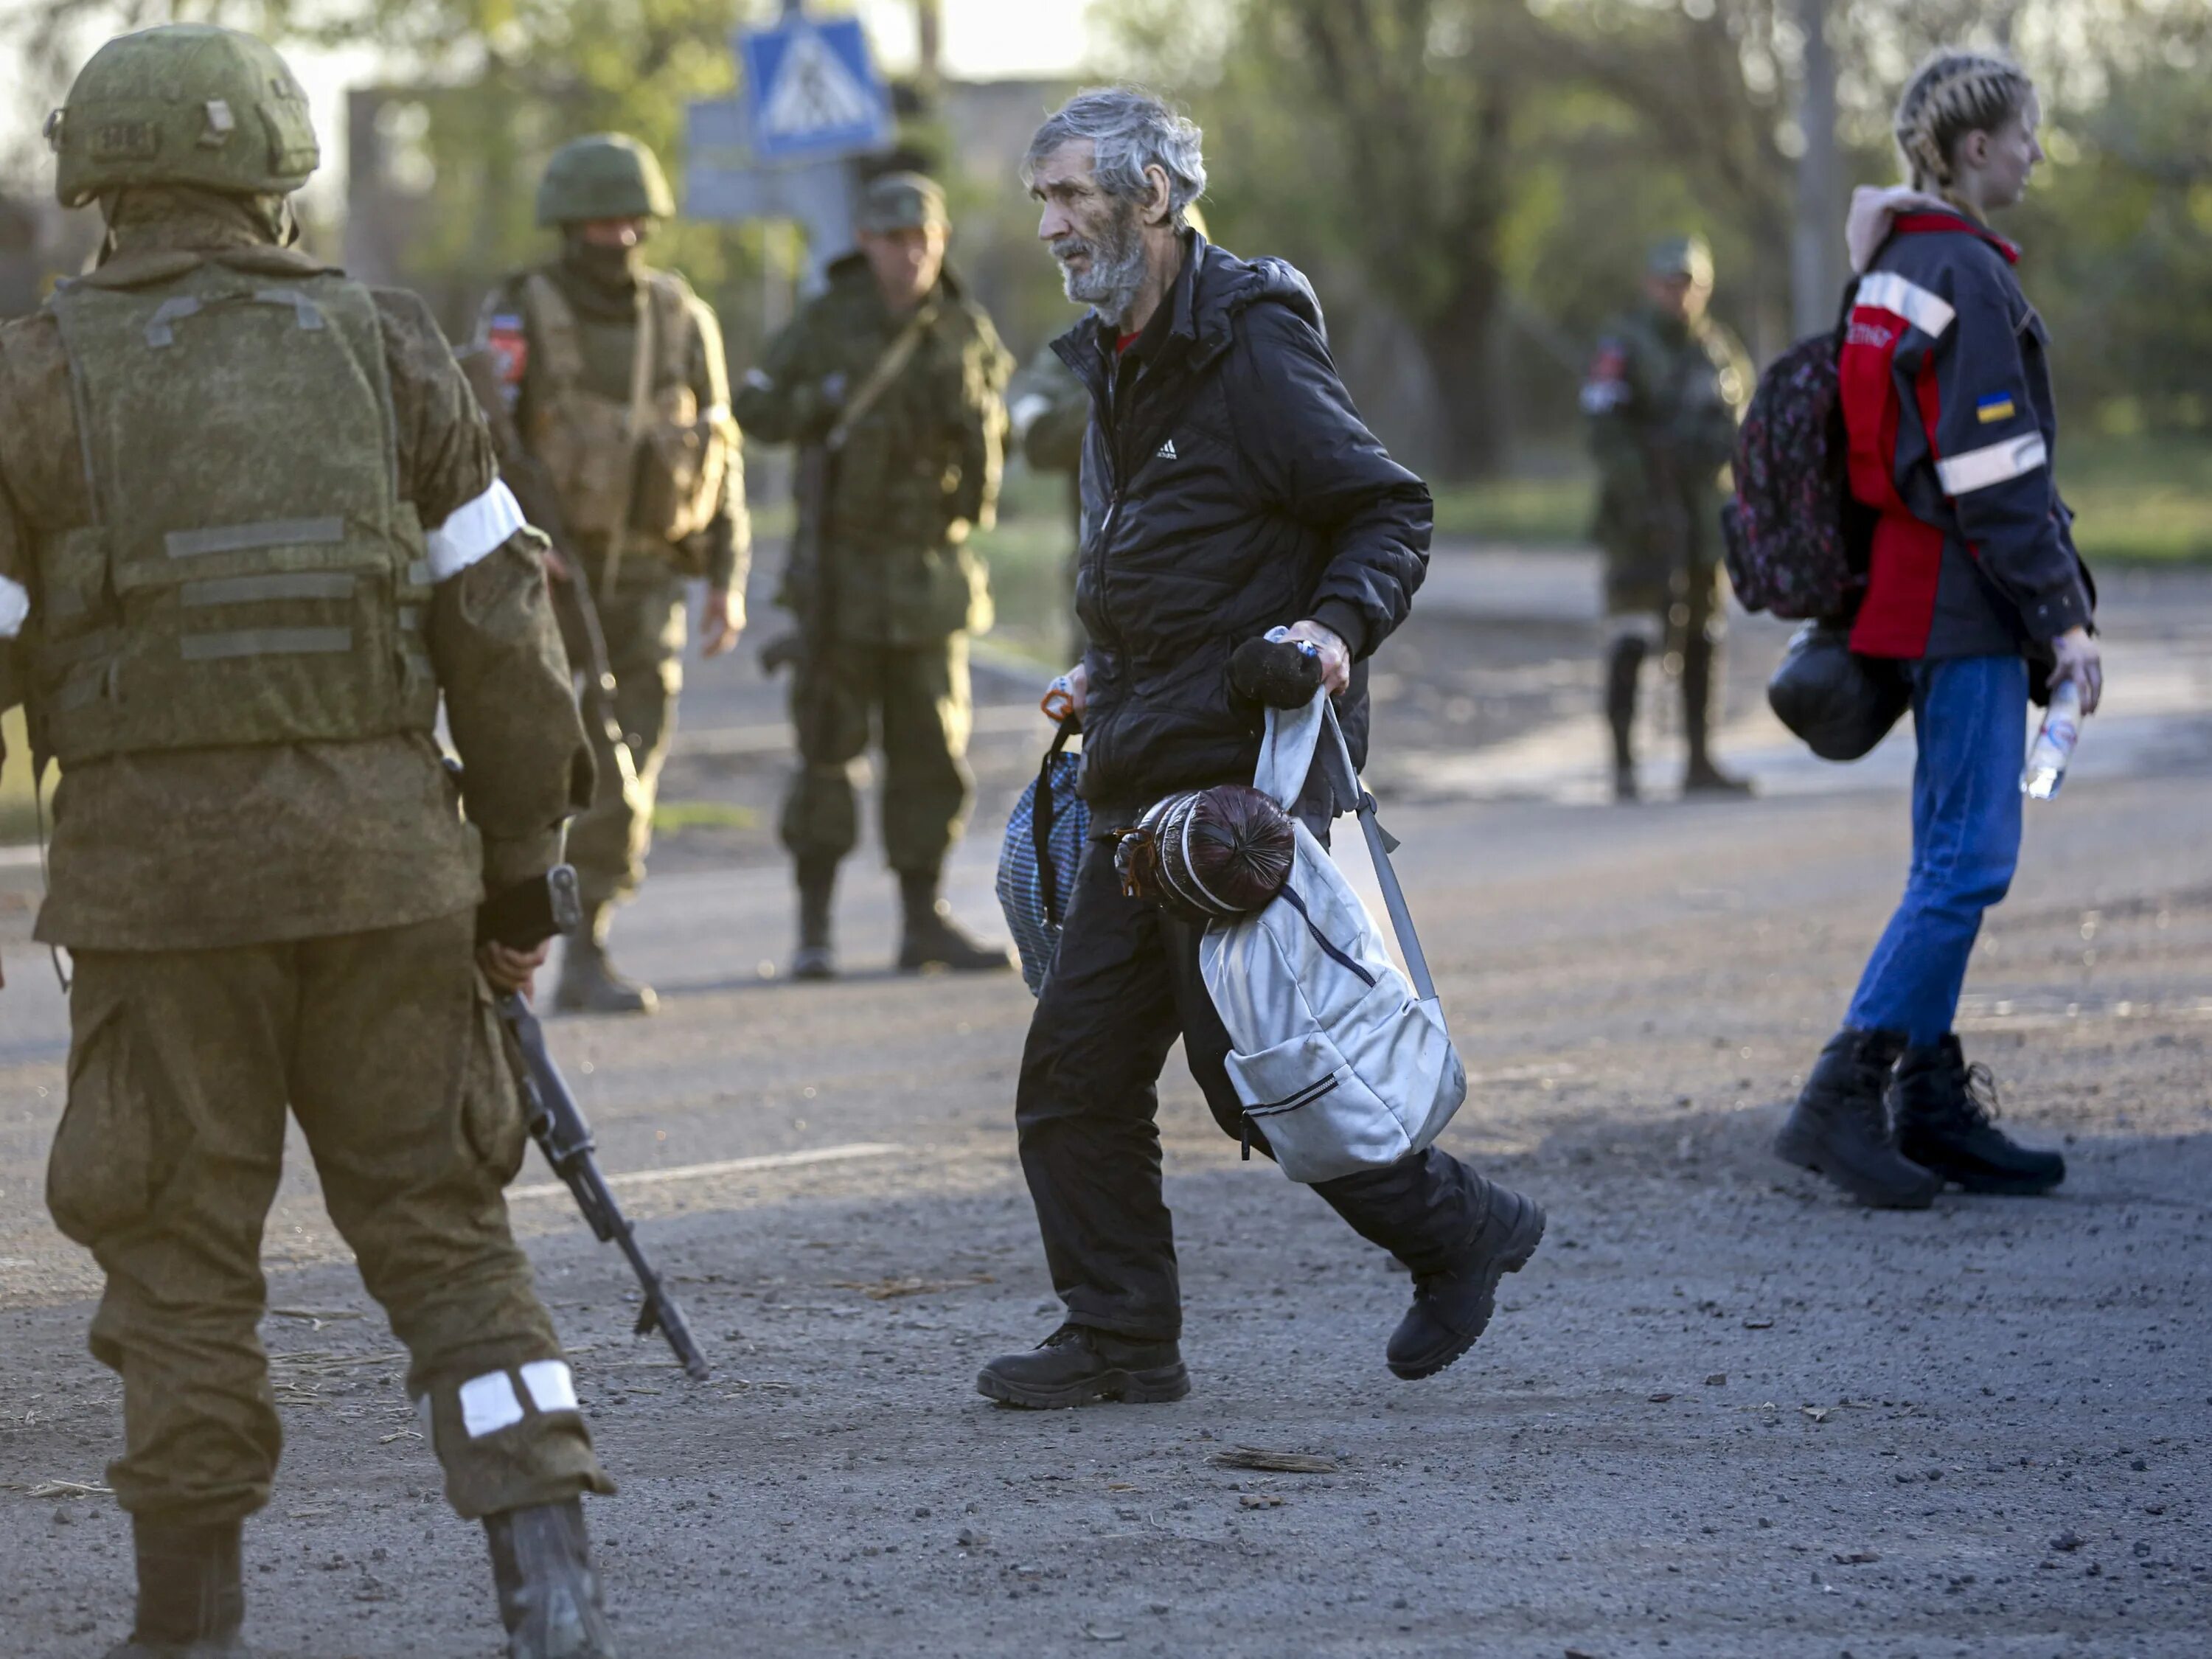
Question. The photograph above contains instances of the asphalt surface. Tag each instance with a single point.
(1721, 1412)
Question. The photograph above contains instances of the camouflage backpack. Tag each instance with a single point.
(1796, 540)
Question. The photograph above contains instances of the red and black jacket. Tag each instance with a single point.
(1946, 399)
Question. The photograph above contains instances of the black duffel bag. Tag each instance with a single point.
(1840, 703)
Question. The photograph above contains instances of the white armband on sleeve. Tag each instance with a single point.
(14, 607)
(473, 530)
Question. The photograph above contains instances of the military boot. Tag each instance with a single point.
(192, 1598)
(548, 1595)
(931, 939)
(1077, 1365)
(1452, 1307)
(1622, 666)
(590, 982)
(1700, 661)
(1947, 1113)
(815, 957)
(1839, 1126)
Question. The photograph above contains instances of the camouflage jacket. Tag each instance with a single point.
(606, 329)
(203, 848)
(1663, 401)
(1049, 410)
(918, 471)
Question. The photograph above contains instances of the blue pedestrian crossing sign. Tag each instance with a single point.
(812, 90)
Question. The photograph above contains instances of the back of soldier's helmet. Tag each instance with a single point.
(604, 175)
(184, 104)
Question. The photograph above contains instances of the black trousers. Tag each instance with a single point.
(1123, 986)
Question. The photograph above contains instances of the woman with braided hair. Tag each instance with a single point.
(1972, 581)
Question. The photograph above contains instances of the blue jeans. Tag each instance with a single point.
(1969, 716)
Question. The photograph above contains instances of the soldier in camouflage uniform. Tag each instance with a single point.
(898, 374)
(615, 377)
(251, 537)
(1664, 395)
(1048, 411)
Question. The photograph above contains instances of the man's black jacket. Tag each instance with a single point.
(1229, 486)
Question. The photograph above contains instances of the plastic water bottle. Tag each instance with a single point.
(2054, 743)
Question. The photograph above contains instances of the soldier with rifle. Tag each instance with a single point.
(610, 378)
(1664, 394)
(252, 541)
(890, 383)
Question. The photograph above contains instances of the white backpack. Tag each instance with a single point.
(1340, 1063)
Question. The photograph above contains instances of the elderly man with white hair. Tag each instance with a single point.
(1230, 488)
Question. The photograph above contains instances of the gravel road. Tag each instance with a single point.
(1720, 1413)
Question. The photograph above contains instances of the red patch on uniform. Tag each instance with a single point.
(510, 351)
(1612, 363)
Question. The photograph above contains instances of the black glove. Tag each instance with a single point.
(524, 916)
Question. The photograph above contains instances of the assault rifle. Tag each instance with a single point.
(807, 567)
(522, 917)
(573, 607)
(810, 578)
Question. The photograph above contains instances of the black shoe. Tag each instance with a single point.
(1703, 778)
(192, 1595)
(1450, 1310)
(814, 962)
(1839, 1126)
(548, 1595)
(1945, 1119)
(591, 985)
(932, 940)
(1077, 1365)
(1625, 788)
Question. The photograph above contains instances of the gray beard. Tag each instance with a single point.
(1116, 271)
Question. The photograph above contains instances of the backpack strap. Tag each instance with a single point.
(1040, 819)
(1379, 848)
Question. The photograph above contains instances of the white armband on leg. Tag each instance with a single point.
(472, 530)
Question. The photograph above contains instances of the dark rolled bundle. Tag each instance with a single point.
(1840, 703)
(1207, 854)
(1274, 673)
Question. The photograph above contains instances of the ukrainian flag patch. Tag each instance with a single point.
(1997, 406)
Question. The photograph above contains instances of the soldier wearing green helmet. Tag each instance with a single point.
(892, 384)
(1664, 397)
(252, 542)
(612, 379)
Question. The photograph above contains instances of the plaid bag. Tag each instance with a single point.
(1037, 862)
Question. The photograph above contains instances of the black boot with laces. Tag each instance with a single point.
(1077, 1365)
(1839, 1126)
(1947, 1113)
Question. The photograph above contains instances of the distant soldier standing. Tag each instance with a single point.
(1664, 395)
(1048, 411)
(251, 536)
(615, 377)
(890, 385)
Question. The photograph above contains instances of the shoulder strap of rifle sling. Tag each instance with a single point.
(887, 368)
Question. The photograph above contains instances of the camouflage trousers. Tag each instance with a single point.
(645, 621)
(917, 696)
(385, 1046)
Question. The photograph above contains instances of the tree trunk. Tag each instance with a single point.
(1816, 239)
(1460, 342)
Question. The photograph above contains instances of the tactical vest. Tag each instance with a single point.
(654, 462)
(252, 574)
